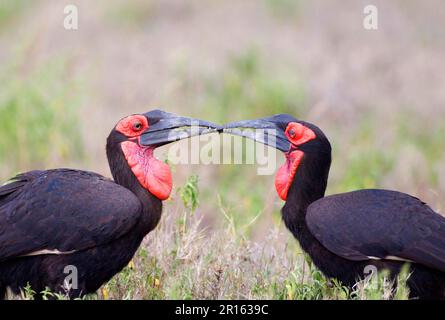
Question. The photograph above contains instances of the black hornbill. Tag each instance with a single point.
(346, 232)
(57, 218)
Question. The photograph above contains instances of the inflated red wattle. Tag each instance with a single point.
(285, 174)
(153, 174)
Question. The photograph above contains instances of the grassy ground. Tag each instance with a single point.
(378, 96)
(181, 261)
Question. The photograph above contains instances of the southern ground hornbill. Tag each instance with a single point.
(57, 218)
(344, 233)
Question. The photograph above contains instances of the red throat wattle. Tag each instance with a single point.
(153, 174)
(297, 134)
(285, 174)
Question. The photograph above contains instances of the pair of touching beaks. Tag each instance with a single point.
(165, 127)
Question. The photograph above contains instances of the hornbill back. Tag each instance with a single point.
(63, 211)
(379, 224)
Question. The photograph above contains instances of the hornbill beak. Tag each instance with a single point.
(165, 127)
(270, 131)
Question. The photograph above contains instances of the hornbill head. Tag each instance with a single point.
(139, 135)
(295, 138)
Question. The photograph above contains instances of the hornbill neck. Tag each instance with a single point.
(122, 175)
(309, 185)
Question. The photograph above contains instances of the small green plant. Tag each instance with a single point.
(48, 294)
(27, 293)
(313, 286)
(379, 285)
(190, 193)
(402, 290)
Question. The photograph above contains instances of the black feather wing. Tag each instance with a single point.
(379, 224)
(63, 210)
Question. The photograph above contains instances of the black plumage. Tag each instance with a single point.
(345, 233)
(96, 223)
(57, 218)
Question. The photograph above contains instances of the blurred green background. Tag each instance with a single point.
(378, 95)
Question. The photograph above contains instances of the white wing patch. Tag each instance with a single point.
(397, 259)
(46, 251)
(390, 258)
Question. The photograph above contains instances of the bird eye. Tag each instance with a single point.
(137, 126)
(292, 133)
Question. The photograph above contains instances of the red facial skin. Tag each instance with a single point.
(297, 135)
(154, 175)
(132, 126)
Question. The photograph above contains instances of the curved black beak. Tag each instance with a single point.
(165, 127)
(269, 131)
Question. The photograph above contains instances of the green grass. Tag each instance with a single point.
(38, 117)
(425, 135)
(366, 166)
(367, 155)
(190, 193)
(130, 14)
(10, 10)
(181, 262)
(287, 9)
(248, 89)
(184, 258)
